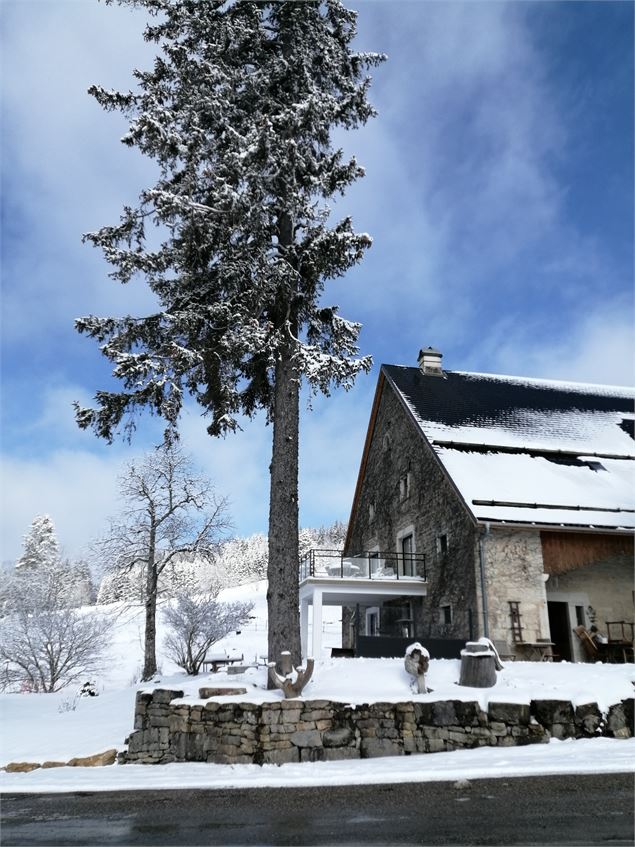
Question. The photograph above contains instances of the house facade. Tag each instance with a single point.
(514, 496)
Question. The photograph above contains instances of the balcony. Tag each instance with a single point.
(370, 565)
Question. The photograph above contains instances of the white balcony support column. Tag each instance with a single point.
(317, 624)
(304, 626)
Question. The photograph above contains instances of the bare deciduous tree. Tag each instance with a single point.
(44, 644)
(170, 511)
(198, 622)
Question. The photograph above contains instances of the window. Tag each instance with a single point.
(404, 486)
(371, 511)
(372, 620)
(386, 442)
(442, 545)
(446, 615)
(579, 615)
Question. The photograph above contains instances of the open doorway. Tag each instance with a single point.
(560, 627)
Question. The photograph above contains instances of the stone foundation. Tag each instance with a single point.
(320, 730)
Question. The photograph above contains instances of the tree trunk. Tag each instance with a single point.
(150, 639)
(282, 573)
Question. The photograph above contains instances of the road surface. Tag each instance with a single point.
(540, 810)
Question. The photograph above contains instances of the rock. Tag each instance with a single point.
(22, 767)
(206, 693)
(588, 718)
(46, 765)
(306, 738)
(462, 784)
(339, 737)
(108, 757)
(509, 713)
(549, 712)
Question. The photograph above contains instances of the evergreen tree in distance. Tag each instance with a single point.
(238, 112)
(41, 548)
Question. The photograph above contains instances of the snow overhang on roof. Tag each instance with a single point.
(529, 451)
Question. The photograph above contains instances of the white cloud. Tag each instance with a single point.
(598, 348)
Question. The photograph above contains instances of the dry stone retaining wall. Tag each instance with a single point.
(320, 730)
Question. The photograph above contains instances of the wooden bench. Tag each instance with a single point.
(214, 663)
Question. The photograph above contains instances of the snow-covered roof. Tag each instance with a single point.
(527, 450)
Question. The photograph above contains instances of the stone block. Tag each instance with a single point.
(468, 712)
(498, 728)
(616, 721)
(165, 695)
(312, 754)
(372, 748)
(444, 713)
(98, 760)
(325, 724)
(21, 767)
(338, 737)
(484, 733)
(629, 713)
(562, 731)
(314, 704)
(513, 714)
(316, 715)
(334, 754)
(435, 745)
(588, 719)
(281, 757)
(549, 712)
(306, 738)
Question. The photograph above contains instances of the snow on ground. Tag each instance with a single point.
(593, 756)
(39, 727)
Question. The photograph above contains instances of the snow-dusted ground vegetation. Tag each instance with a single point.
(37, 727)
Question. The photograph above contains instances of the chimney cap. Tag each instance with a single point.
(430, 350)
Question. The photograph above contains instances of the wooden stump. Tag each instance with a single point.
(284, 680)
(478, 666)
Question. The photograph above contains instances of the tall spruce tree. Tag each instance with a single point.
(238, 112)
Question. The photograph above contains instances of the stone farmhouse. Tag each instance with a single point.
(485, 505)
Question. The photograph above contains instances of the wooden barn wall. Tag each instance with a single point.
(566, 551)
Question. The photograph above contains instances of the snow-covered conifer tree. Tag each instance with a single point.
(41, 547)
(238, 112)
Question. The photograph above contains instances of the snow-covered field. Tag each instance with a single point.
(39, 727)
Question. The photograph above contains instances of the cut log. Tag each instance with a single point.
(478, 666)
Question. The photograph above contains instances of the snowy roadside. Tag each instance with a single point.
(57, 727)
(597, 756)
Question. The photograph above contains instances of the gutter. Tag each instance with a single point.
(481, 561)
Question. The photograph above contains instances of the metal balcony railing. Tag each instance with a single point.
(330, 564)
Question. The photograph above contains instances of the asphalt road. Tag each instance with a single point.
(542, 810)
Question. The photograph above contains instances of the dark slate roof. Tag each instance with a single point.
(466, 398)
(526, 450)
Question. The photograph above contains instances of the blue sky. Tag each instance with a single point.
(499, 193)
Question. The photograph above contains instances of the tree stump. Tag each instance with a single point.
(478, 666)
(416, 663)
(285, 681)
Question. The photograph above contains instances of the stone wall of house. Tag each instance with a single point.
(608, 586)
(514, 571)
(431, 509)
(320, 730)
